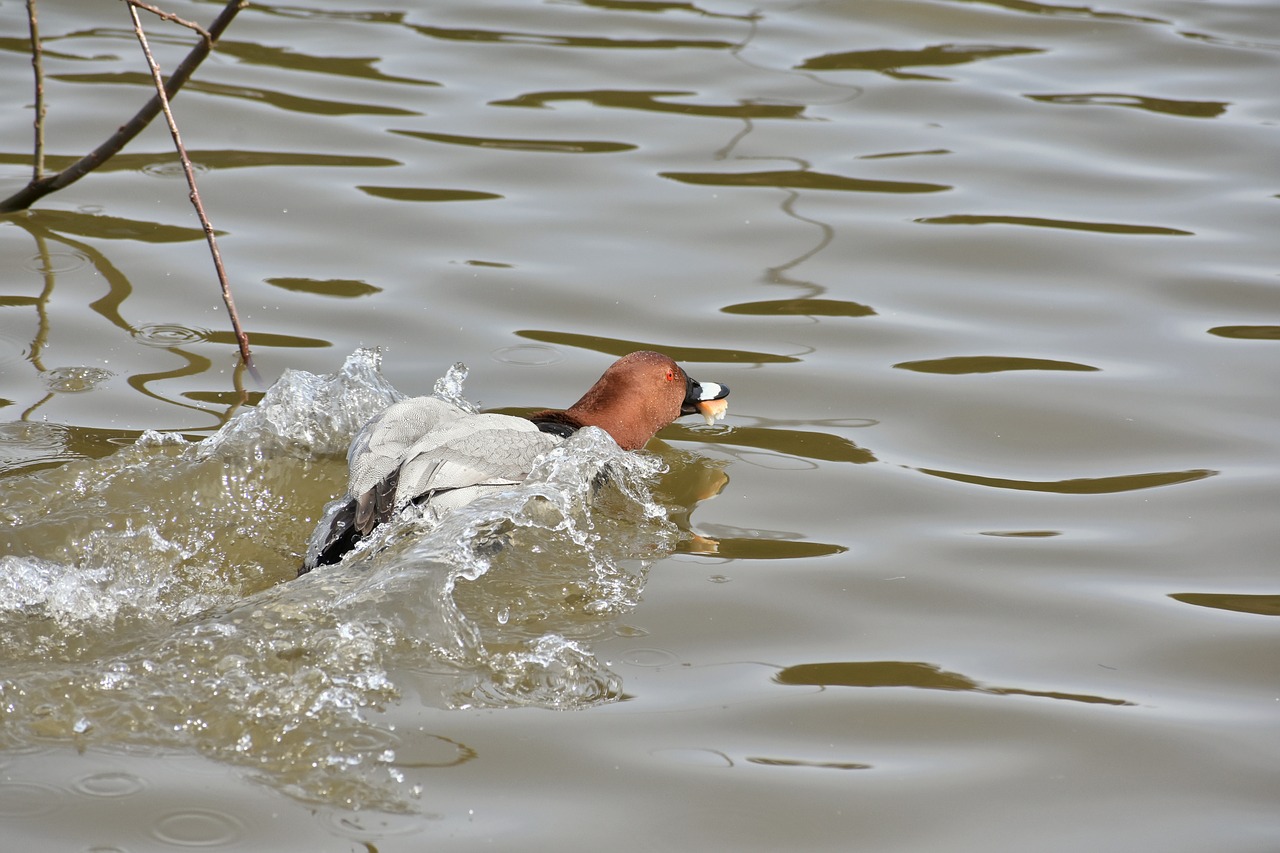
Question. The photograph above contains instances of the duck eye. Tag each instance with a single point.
(671, 376)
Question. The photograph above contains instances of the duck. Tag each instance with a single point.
(433, 453)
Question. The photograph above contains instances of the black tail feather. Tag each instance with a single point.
(341, 537)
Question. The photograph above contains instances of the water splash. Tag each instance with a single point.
(142, 600)
(449, 387)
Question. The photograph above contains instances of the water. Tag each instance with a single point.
(981, 559)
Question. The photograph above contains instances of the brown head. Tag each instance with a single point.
(638, 395)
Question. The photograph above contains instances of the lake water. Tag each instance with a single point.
(982, 559)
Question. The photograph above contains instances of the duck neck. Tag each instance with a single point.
(629, 430)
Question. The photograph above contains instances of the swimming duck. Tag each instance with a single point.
(428, 451)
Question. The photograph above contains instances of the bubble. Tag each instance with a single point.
(109, 785)
(198, 828)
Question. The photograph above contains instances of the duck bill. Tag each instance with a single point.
(706, 399)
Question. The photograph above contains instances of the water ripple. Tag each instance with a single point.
(74, 380)
(198, 828)
(28, 799)
(171, 169)
(57, 262)
(109, 784)
(528, 354)
(169, 335)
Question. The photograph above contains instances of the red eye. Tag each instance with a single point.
(671, 376)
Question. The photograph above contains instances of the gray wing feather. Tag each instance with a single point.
(379, 448)
(432, 446)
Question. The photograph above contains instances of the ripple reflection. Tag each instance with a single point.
(1247, 333)
(1079, 486)
(924, 676)
(1260, 605)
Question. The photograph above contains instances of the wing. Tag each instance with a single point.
(483, 450)
(424, 447)
(379, 449)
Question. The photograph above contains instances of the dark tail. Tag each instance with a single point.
(345, 523)
(334, 537)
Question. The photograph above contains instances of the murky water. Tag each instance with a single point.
(983, 557)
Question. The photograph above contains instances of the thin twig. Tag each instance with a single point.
(241, 337)
(169, 16)
(38, 189)
(37, 65)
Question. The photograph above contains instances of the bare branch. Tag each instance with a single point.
(241, 337)
(38, 189)
(169, 16)
(37, 66)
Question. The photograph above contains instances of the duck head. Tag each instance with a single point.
(640, 394)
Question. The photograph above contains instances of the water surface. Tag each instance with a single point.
(982, 558)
